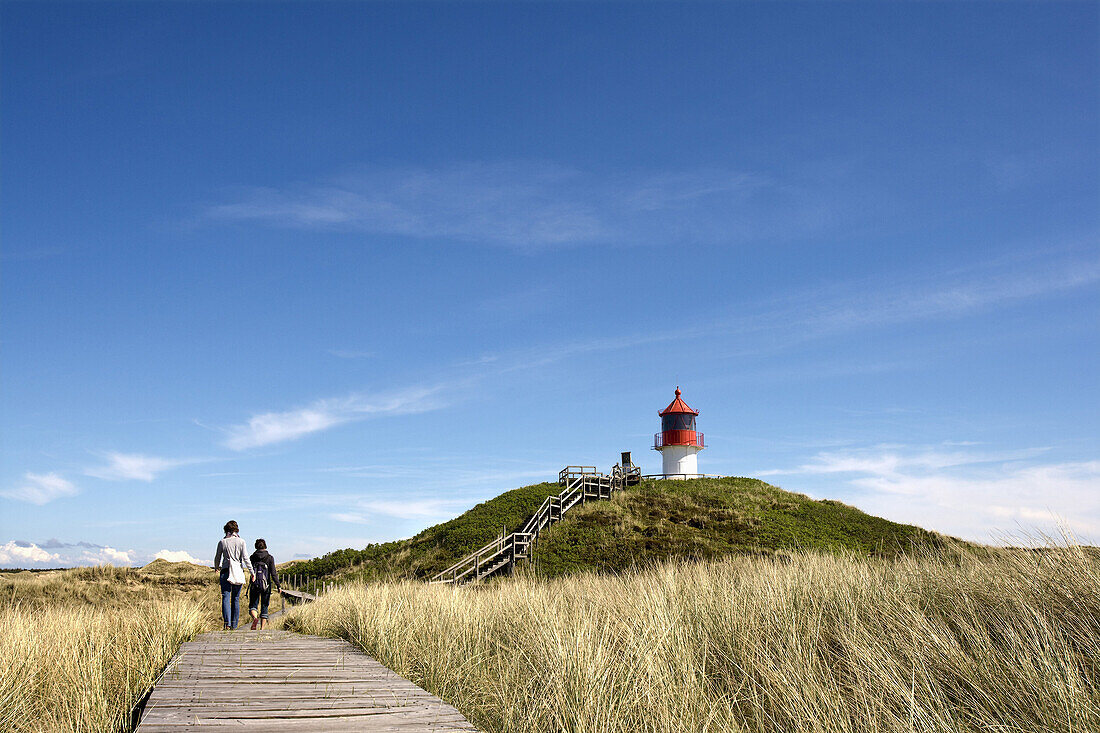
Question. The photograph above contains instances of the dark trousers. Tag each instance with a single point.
(259, 599)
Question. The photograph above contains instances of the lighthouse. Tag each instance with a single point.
(678, 441)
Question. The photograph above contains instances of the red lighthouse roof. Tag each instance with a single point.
(678, 405)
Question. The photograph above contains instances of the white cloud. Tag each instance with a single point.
(278, 427)
(55, 554)
(133, 466)
(977, 496)
(423, 509)
(177, 556)
(415, 509)
(107, 556)
(889, 460)
(349, 517)
(40, 488)
(25, 555)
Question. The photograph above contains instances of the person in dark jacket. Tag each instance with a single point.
(263, 580)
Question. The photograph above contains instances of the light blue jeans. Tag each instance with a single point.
(231, 600)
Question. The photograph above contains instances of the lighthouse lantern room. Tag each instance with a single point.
(678, 441)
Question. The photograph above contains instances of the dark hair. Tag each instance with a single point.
(261, 545)
(231, 526)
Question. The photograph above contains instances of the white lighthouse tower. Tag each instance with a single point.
(678, 441)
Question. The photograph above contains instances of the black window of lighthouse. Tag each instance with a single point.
(678, 421)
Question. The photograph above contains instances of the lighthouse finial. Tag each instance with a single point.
(677, 390)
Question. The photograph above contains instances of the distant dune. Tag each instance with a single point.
(164, 567)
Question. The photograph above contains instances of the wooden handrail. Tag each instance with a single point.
(474, 556)
(576, 479)
(681, 475)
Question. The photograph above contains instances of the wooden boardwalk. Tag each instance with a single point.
(280, 681)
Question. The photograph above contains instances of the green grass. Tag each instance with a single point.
(654, 521)
(710, 518)
(436, 547)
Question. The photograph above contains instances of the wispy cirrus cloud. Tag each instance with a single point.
(892, 459)
(278, 427)
(372, 511)
(41, 488)
(780, 325)
(526, 204)
(972, 494)
(791, 320)
(349, 517)
(958, 294)
(135, 467)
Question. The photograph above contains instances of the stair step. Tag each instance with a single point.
(486, 573)
(579, 489)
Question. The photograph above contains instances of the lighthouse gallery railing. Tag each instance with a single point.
(678, 437)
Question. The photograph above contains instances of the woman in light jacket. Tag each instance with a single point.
(231, 549)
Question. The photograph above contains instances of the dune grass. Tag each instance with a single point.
(999, 641)
(80, 648)
(84, 669)
(111, 586)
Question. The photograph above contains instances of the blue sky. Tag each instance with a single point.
(341, 271)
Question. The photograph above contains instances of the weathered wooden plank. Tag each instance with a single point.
(195, 715)
(358, 723)
(350, 703)
(277, 681)
(332, 725)
(354, 697)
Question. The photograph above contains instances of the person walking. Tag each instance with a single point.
(231, 562)
(266, 576)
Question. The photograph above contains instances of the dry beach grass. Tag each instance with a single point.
(982, 641)
(69, 669)
(111, 586)
(1001, 641)
(79, 648)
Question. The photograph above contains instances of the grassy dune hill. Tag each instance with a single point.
(708, 518)
(160, 580)
(657, 520)
(434, 548)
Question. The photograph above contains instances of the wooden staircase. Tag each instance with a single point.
(582, 483)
